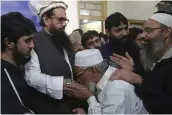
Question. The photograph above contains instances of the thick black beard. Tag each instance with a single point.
(19, 58)
(118, 41)
(63, 40)
(119, 45)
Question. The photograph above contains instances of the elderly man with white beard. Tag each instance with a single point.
(155, 89)
(111, 96)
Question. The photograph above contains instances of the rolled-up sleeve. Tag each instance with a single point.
(50, 85)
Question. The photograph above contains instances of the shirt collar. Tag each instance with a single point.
(104, 80)
(167, 55)
(47, 32)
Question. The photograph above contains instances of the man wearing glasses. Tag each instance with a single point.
(155, 88)
(50, 67)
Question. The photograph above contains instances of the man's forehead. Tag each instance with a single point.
(151, 23)
(60, 12)
(93, 38)
(78, 69)
(120, 26)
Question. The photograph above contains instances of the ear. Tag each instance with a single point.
(167, 32)
(107, 32)
(8, 43)
(45, 19)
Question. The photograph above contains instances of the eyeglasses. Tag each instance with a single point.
(148, 29)
(82, 72)
(140, 39)
(61, 20)
(106, 60)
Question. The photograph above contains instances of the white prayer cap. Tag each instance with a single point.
(88, 58)
(41, 7)
(163, 18)
(74, 37)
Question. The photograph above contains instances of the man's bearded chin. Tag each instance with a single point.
(62, 39)
(118, 40)
(60, 35)
(19, 58)
(151, 52)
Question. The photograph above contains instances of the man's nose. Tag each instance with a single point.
(31, 44)
(144, 35)
(124, 32)
(64, 24)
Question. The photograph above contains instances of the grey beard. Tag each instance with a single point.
(92, 87)
(152, 52)
(149, 58)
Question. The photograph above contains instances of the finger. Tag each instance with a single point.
(121, 58)
(115, 59)
(75, 110)
(128, 56)
(118, 56)
(67, 93)
(72, 86)
(69, 90)
(70, 93)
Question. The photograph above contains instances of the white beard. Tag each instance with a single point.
(92, 87)
(151, 52)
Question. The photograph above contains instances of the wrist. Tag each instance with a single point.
(89, 95)
(137, 79)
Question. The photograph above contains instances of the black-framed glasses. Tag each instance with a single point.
(61, 20)
(148, 29)
(82, 71)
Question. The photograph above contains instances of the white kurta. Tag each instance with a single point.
(115, 97)
(50, 85)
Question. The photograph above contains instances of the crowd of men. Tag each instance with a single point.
(126, 71)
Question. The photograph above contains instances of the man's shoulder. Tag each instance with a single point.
(105, 47)
(40, 33)
(106, 51)
(119, 84)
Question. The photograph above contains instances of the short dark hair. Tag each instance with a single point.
(79, 30)
(18, 16)
(115, 19)
(134, 32)
(13, 26)
(104, 36)
(87, 35)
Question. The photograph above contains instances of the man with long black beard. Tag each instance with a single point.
(16, 45)
(119, 43)
(51, 64)
(155, 89)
